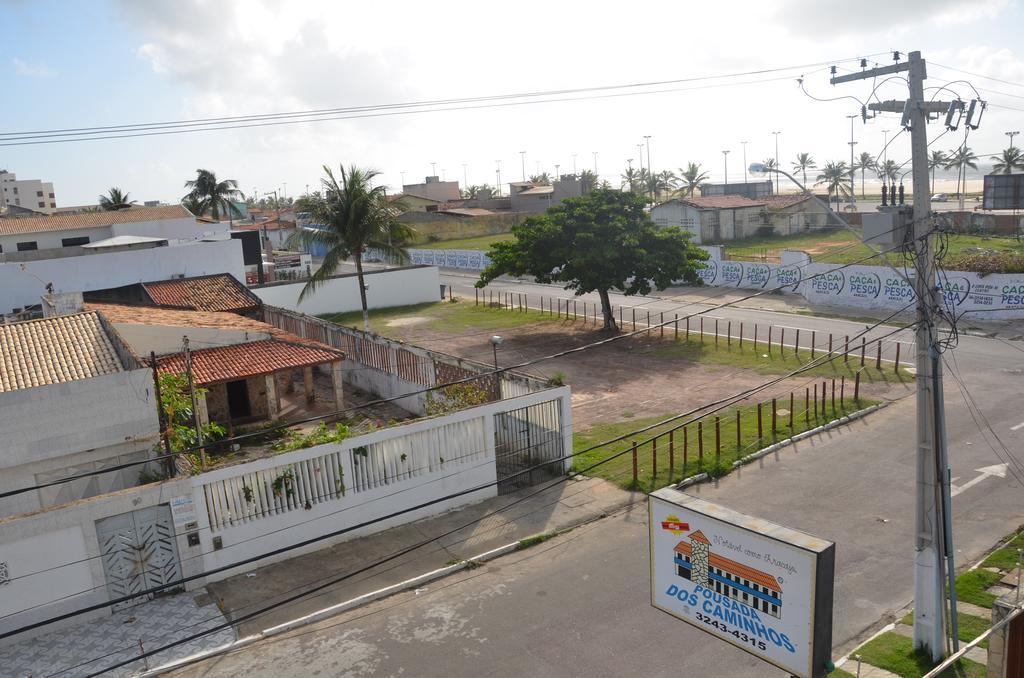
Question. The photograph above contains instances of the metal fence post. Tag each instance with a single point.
(830, 343)
(807, 406)
(790, 411)
(782, 342)
(755, 337)
(718, 439)
(774, 411)
(634, 318)
(769, 340)
(856, 387)
(863, 346)
(878, 358)
(728, 334)
(716, 332)
(654, 456)
(702, 329)
(815, 400)
(833, 397)
(842, 391)
(760, 435)
(476, 297)
(739, 435)
(814, 340)
(700, 443)
(634, 463)
(677, 327)
(846, 349)
(687, 328)
(741, 336)
(671, 453)
(662, 323)
(824, 401)
(896, 365)
(796, 344)
(686, 449)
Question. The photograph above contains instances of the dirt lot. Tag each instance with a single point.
(619, 380)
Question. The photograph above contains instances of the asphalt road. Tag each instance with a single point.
(579, 605)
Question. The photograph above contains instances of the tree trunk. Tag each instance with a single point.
(362, 289)
(606, 311)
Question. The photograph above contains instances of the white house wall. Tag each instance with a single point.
(386, 288)
(185, 228)
(22, 284)
(164, 339)
(50, 426)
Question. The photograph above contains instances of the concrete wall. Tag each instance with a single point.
(164, 339)
(186, 228)
(386, 288)
(21, 287)
(677, 214)
(52, 427)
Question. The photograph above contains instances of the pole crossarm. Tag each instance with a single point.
(871, 73)
(896, 106)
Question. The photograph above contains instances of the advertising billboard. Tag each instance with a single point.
(765, 588)
(1003, 192)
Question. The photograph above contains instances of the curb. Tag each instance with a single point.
(754, 456)
(441, 572)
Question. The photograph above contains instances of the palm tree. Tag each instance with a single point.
(692, 177)
(354, 216)
(543, 178)
(631, 179)
(961, 159)
(865, 162)
(115, 200)
(804, 162)
(193, 205)
(213, 197)
(666, 182)
(1009, 160)
(835, 177)
(589, 180)
(936, 159)
(887, 171)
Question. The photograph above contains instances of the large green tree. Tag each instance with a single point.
(353, 215)
(601, 242)
(211, 197)
(114, 200)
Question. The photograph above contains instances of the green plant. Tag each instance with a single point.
(147, 476)
(534, 540)
(282, 485)
(247, 493)
(179, 421)
(455, 397)
(320, 435)
(557, 379)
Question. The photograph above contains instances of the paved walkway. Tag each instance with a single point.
(91, 646)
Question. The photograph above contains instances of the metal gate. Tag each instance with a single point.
(524, 439)
(139, 552)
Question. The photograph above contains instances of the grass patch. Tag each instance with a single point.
(895, 653)
(481, 242)
(440, 315)
(1005, 558)
(839, 673)
(534, 540)
(969, 626)
(843, 247)
(620, 469)
(757, 358)
(970, 587)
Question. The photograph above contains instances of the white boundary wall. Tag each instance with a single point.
(340, 294)
(443, 455)
(993, 297)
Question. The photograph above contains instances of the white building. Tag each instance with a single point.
(713, 219)
(100, 250)
(73, 399)
(30, 194)
(434, 189)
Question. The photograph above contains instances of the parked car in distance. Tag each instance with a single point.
(940, 197)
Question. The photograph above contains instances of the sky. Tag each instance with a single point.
(110, 62)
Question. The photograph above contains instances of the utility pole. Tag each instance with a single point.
(647, 138)
(853, 191)
(465, 175)
(933, 542)
(574, 164)
(595, 161)
(195, 402)
(725, 161)
(522, 159)
(498, 175)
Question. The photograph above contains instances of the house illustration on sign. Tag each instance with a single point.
(753, 588)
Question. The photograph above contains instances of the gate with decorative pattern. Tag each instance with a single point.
(139, 552)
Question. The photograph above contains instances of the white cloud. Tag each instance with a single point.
(881, 16)
(32, 70)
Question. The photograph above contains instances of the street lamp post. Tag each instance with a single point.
(777, 158)
(574, 164)
(852, 174)
(522, 159)
(647, 139)
(1012, 135)
(725, 161)
(498, 175)
(465, 175)
(595, 161)
(495, 342)
(744, 144)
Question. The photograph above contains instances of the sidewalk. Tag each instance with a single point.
(564, 505)
(91, 646)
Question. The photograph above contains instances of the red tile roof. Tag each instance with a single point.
(218, 292)
(782, 201)
(240, 361)
(699, 536)
(721, 202)
(732, 567)
(71, 222)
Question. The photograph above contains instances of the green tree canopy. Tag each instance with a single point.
(211, 197)
(597, 243)
(114, 200)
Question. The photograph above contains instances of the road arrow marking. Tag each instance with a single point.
(997, 470)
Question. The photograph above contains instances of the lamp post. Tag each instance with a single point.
(647, 139)
(885, 146)
(1012, 135)
(433, 169)
(574, 164)
(725, 161)
(557, 170)
(595, 161)
(777, 158)
(640, 150)
(495, 343)
(744, 144)
(465, 174)
(853, 143)
(522, 161)
(497, 173)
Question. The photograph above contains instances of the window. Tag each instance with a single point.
(73, 242)
(53, 205)
(746, 582)
(42, 204)
(27, 246)
(51, 195)
(39, 194)
(15, 190)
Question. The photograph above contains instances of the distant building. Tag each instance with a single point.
(534, 198)
(434, 189)
(713, 219)
(30, 194)
(754, 190)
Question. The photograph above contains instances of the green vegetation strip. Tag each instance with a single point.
(1005, 558)
(442, 315)
(895, 653)
(971, 587)
(779, 360)
(620, 469)
(969, 626)
(482, 242)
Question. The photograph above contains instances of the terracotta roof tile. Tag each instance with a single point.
(71, 222)
(699, 536)
(721, 202)
(240, 361)
(55, 350)
(781, 201)
(218, 292)
(732, 567)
